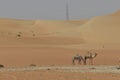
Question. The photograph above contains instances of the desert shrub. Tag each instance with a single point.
(32, 65)
(1, 66)
(19, 34)
(33, 34)
(48, 69)
(118, 67)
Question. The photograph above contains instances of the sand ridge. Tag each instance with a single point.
(101, 29)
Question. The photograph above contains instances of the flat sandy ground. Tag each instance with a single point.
(47, 56)
(23, 56)
(55, 75)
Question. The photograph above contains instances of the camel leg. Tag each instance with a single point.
(84, 61)
(92, 61)
(79, 61)
(73, 62)
(89, 61)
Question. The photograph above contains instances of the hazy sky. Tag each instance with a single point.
(56, 9)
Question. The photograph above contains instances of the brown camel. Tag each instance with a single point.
(89, 57)
(78, 58)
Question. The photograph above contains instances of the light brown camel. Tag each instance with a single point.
(90, 56)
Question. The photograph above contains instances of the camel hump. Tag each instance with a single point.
(77, 55)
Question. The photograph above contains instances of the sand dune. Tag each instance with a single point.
(52, 26)
(117, 13)
(102, 29)
(37, 26)
(79, 22)
(39, 32)
(14, 23)
(44, 26)
(97, 30)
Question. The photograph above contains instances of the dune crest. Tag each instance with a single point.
(117, 13)
(102, 29)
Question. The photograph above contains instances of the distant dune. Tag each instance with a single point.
(117, 13)
(102, 29)
(79, 22)
(39, 31)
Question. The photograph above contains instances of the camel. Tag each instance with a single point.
(78, 58)
(90, 57)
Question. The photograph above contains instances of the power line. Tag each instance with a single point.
(67, 11)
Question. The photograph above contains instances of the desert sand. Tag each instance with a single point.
(54, 75)
(54, 43)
